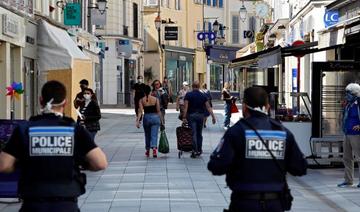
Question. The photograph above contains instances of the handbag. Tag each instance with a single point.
(285, 197)
(233, 108)
(163, 143)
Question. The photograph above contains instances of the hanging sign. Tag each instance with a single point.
(171, 33)
(331, 17)
(72, 14)
(203, 35)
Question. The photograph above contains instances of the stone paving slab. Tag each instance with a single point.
(134, 183)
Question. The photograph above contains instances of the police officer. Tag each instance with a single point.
(256, 180)
(49, 150)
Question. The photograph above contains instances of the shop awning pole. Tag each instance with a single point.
(298, 83)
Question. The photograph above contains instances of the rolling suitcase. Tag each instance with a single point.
(184, 139)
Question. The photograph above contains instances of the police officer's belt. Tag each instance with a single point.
(50, 199)
(258, 196)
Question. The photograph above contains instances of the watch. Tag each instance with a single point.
(262, 10)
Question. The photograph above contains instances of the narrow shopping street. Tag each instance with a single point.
(135, 183)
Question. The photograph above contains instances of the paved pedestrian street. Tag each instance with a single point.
(134, 183)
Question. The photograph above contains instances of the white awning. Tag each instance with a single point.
(331, 38)
(56, 50)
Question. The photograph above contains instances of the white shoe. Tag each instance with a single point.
(226, 128)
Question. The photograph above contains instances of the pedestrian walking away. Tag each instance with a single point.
(50, 149)
(163, 98)
(89, 113)
(255, 154)
(226, 96)
(139, 87)
(351, 128)
(207, 93)
(180, 99)
(151, 122)
(196, 105)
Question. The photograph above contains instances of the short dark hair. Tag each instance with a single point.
(139, 77)
(53, 90)
(89, 89)
(84, 82)
(255, 97)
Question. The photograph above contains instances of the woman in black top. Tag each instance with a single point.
(226, 96)
(90, 113)
(151, 120)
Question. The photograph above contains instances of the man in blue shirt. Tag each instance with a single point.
(196, 104)
(351, 128)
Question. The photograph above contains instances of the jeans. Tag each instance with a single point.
(227, 108)
(196, 121)
(151, 124)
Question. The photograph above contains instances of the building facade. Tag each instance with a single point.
(123, 59)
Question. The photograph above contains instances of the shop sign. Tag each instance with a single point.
(124, 48)
(171, 33)
(203, 35)
(72, 14)
(182, 58)
(11, 27)
(331, 17)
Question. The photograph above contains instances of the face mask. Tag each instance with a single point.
(140, 80)
(87, 96)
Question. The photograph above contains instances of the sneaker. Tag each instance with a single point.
(147, 153)
(155, 152)
(226, 128)
(193, 155)
(345, 185)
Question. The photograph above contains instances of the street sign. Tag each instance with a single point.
(331, 17)
(72, 14)
(248, 34)
(171, 33)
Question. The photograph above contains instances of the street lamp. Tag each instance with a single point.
(158, 27)
(243, 12)
(216, 26)
(101, 5)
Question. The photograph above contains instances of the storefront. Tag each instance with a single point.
(12, 43)
(179, 66)
(219, 58)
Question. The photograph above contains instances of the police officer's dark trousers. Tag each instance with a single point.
(252, 203)
(49, 206)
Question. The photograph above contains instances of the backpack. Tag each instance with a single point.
(164, 100)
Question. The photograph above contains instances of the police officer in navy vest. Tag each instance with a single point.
(256, 179)
(49, 150)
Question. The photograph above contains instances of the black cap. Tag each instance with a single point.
(84, 82)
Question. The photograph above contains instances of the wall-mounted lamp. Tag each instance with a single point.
(243, 12)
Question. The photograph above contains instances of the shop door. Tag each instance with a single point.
(30, 85)
(328, 96)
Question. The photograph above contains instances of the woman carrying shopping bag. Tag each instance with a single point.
(151, 120)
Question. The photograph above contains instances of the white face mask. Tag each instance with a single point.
(140, 80)
(87, 96)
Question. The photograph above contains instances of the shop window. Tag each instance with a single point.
(216, 77)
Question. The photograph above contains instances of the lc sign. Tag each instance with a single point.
(331, 17)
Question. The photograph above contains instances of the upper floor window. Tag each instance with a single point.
(235, 29)
(215, 3)
(221, 3)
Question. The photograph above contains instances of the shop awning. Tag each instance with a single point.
(273, 56)
(56, 50)
(178, 49)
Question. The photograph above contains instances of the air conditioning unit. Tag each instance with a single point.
(151, 3)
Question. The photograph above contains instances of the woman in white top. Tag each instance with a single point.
(180, 99)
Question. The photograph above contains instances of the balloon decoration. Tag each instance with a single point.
(15, 90)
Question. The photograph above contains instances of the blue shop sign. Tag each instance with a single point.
(221, 55)
(72, 14)
(331, 17)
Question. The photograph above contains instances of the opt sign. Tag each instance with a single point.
(202, 35)
(331, 18)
